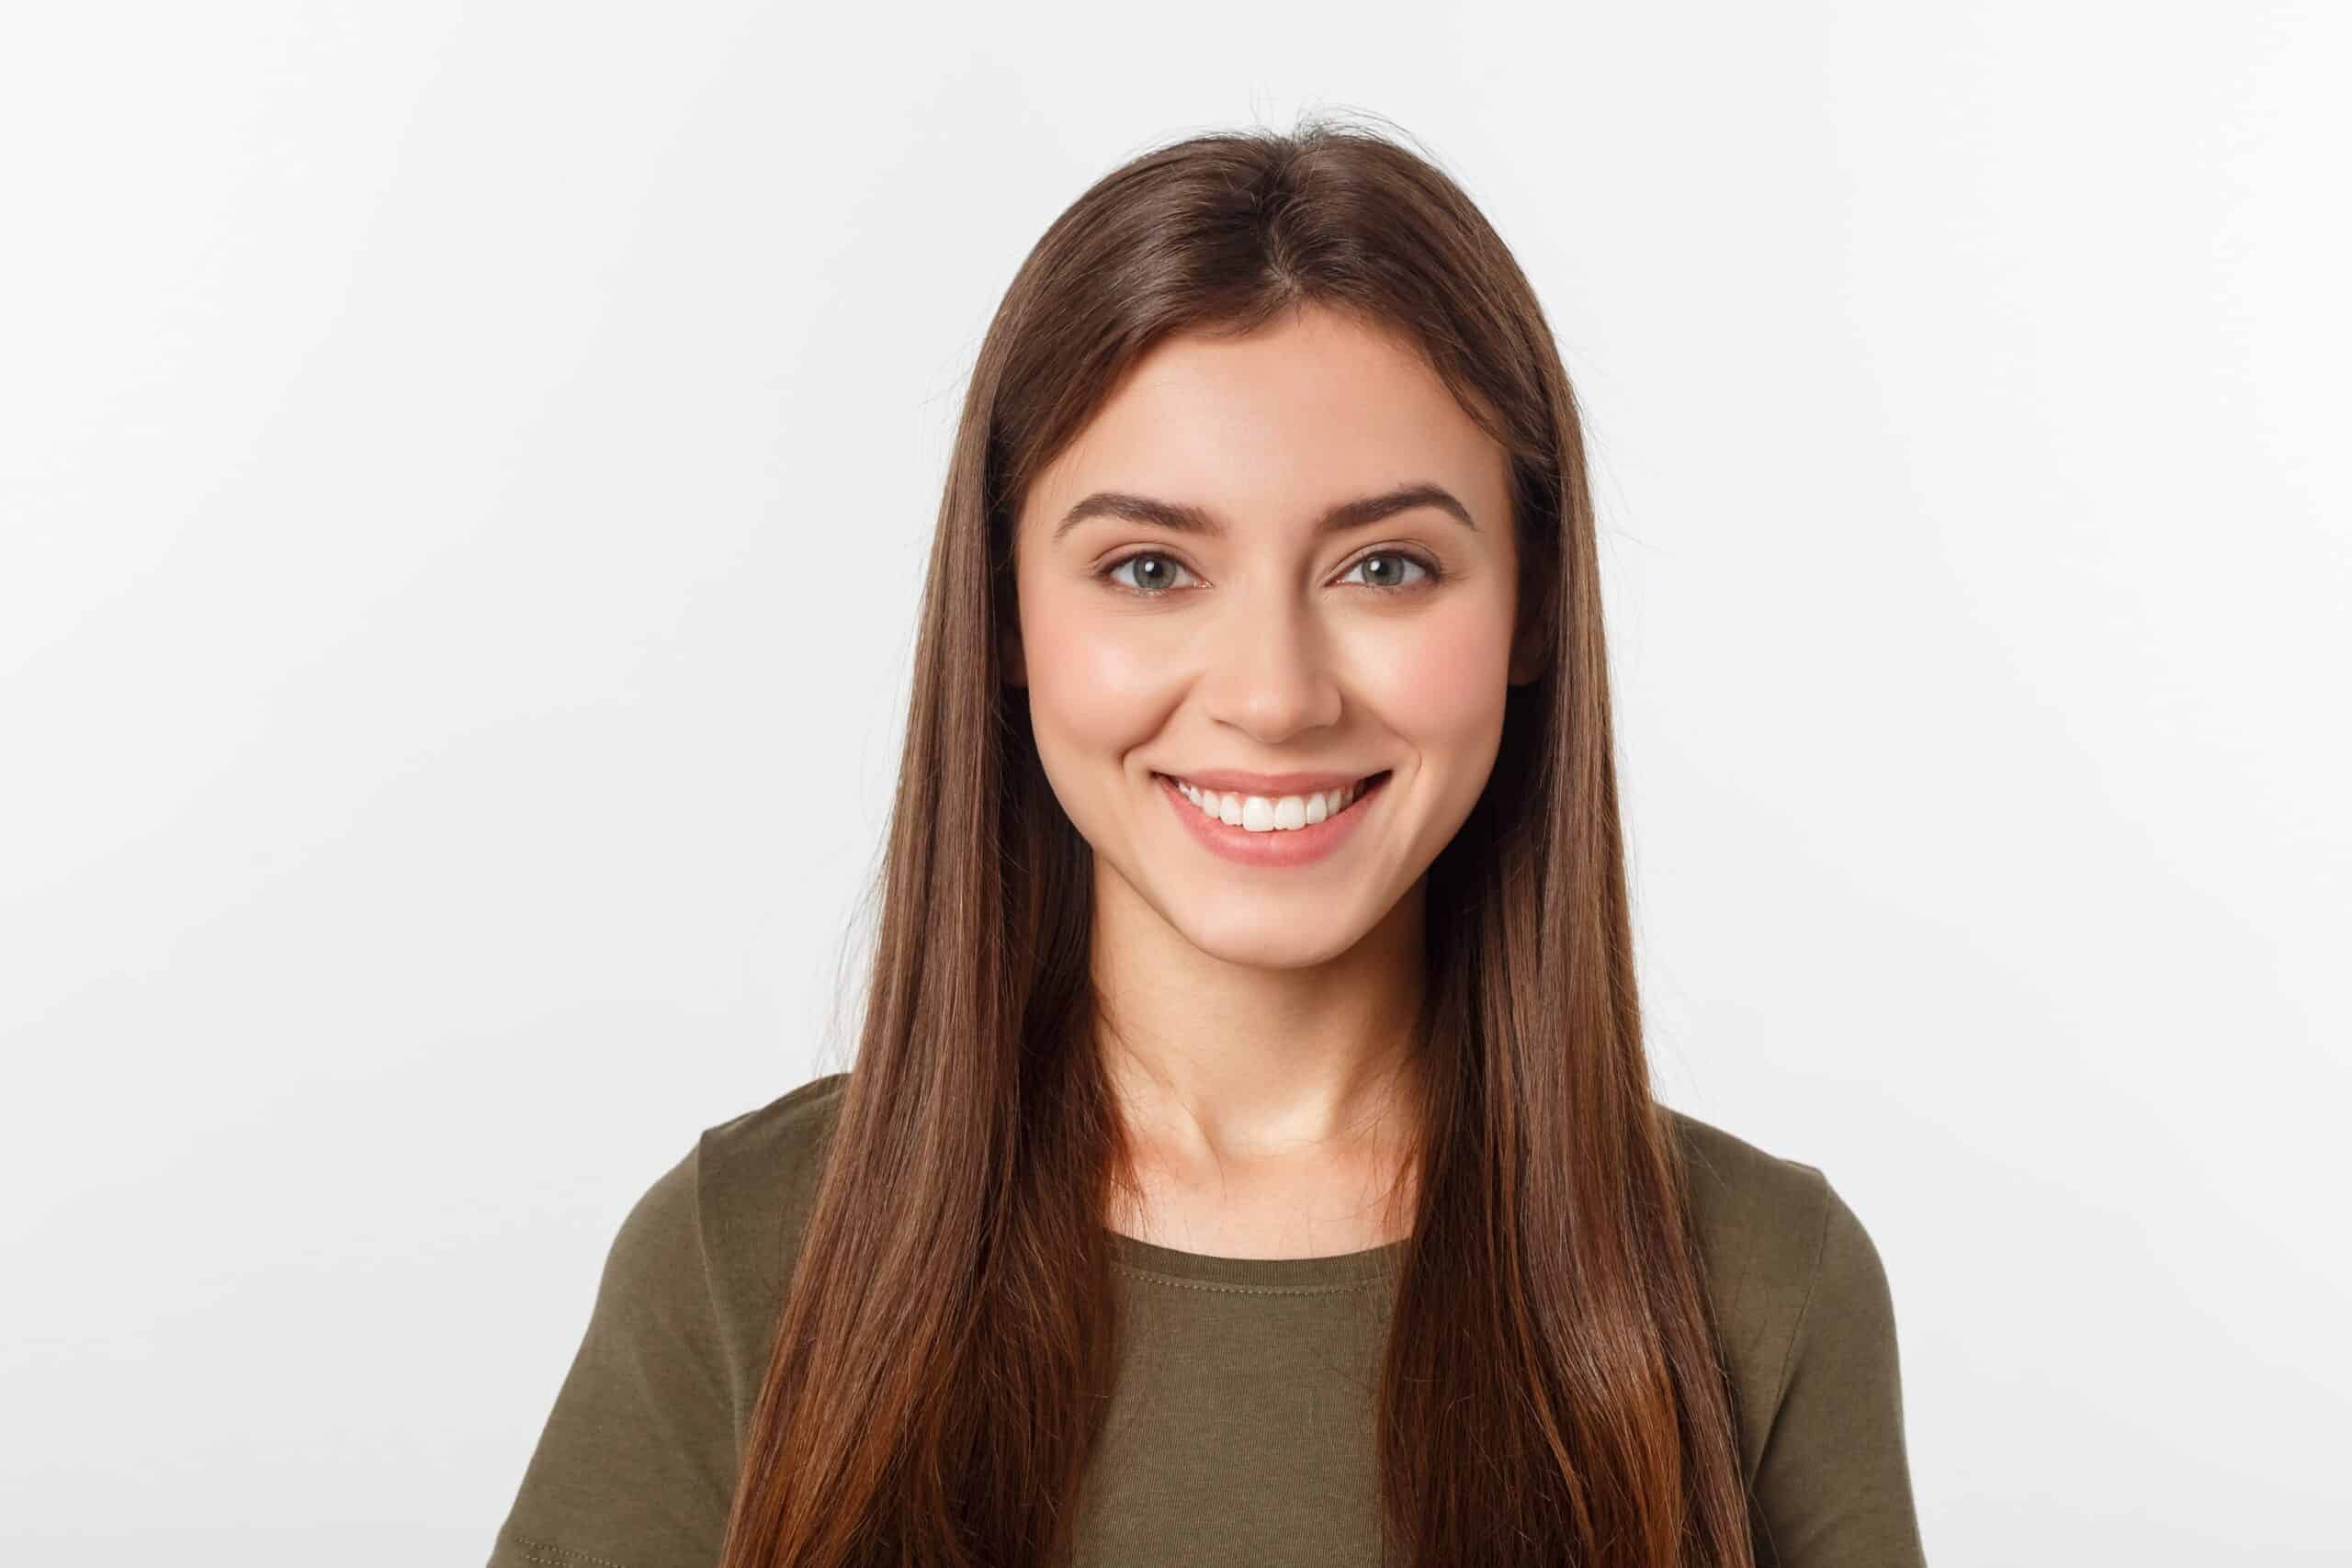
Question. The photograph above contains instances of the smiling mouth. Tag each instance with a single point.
(1275, 814)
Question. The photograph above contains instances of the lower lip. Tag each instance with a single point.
(1295, 846)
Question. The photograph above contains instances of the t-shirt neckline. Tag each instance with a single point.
(1337, 1269)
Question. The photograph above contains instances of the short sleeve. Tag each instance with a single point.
(1833, 1489)
(637, 1465)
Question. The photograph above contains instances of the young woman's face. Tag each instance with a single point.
(1251, 565)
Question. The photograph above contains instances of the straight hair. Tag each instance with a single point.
(1552, 1389)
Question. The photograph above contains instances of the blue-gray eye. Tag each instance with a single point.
(1402, 559)
(1157, 580)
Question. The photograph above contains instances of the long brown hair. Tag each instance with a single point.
(1552, 1389)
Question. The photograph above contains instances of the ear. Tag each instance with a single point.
(1016, 662)
(1006, 608)
(1530, 643)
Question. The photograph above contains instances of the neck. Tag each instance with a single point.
(1274, 1090)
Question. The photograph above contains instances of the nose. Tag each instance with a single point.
(1271, 675)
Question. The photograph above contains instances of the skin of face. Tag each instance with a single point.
(1273, 648)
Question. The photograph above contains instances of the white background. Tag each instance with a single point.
(465, 473)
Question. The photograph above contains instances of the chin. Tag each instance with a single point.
(1267, 938)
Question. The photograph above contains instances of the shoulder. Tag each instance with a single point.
(741, 1158)
(725, 1224)
(1785, 1258)
(1753, 1211)
(756, 1176)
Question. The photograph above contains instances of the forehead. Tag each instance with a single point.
(1313, 408)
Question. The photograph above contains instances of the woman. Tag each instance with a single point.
(1249, 1154)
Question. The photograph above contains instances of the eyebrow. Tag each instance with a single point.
(1184, 518)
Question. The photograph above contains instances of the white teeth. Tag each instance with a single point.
(1262, 814)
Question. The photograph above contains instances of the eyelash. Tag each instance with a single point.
(1433, 575)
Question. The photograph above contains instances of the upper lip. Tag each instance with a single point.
(1269, 784)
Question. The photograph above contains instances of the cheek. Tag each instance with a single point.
(1092, 688)
(1442, 688)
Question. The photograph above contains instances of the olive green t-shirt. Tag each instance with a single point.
(1240, 1428)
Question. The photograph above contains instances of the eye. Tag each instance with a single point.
(1401, 560)
(1153, 582)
